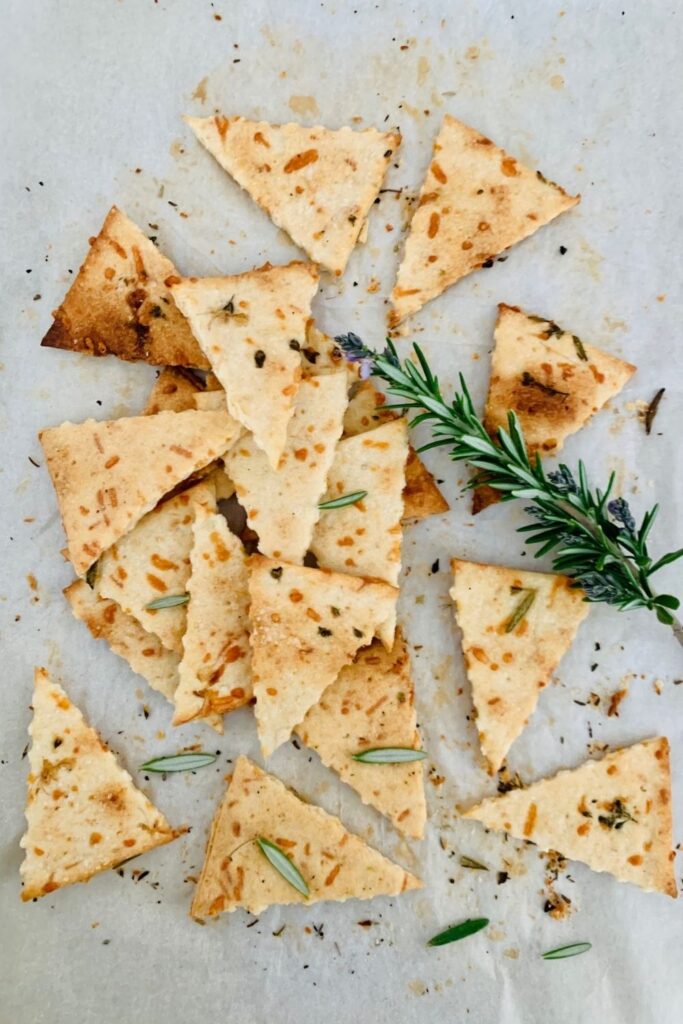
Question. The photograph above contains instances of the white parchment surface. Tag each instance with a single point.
(92, 93)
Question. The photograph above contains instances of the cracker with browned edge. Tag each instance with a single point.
(307, 624)
(370, 705)
(84, 814)
(317, 184)
(153, 562)
(215, 670)
(551, 379)
(475, 202)
(252, 328)
(364, 538)
(613, 815)
(107, 474)
(516, 626)
(335, 864)
(121, 304)
(282, 504)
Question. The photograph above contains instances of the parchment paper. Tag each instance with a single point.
(92, 98)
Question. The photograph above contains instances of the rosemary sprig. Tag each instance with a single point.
(594, 540)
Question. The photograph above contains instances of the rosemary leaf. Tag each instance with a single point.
(521, 609)
(575, 949)
(343, 501)
(178, 762)
(467, 862)
(459, 931)
(389, 755)
(91, 575)
(283, 865)
(170, 601)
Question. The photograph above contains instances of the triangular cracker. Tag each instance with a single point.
(335, 864)
(215, 670)
(121, 304)
(143, 651)
(252, 328)
(475, 202)
(421, 496)
(516, 626)
(549, 377)
(371, 705)
(84, 814)
(365, 538)
(315, 183)
(282, 504)
(173, 391)
(307, 624)
(613, 814)
(153, 561)
(108, 474)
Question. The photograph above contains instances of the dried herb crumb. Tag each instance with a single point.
(276, 573)
(651, 410)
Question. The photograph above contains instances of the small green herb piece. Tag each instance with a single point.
(170, 601)
(617, 817)
(91, 575)
(343, 501)
(459, 931)
(283, 865)
(580, 350)
(651, 410)
(178, 762)
(389, 755)
(467, 862)
(562, 952)
(521, 610)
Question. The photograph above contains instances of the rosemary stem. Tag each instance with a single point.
(595, 542)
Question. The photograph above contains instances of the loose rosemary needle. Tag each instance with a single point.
(596, 541)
